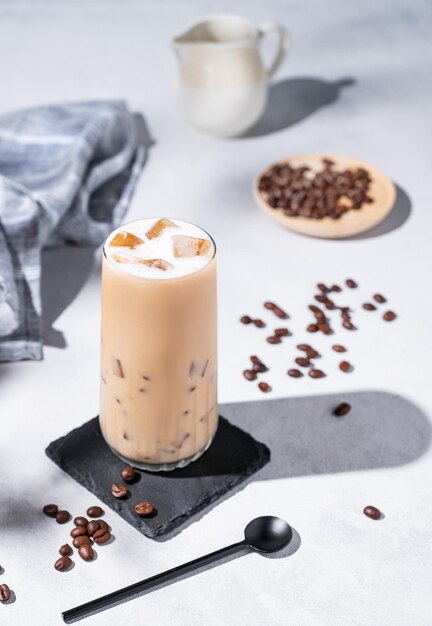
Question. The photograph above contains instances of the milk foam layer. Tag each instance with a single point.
(160, 247)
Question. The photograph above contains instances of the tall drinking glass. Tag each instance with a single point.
(158, 407)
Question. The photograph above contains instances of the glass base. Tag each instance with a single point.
(165, 467)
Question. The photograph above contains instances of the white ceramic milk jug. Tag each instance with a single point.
(223, 84)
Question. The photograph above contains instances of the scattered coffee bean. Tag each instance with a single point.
(78, 531)
(274, 339)
(276, 310)
(312, 328)
(102, 523)
(80, 521)
(92, 527)
(50, 510)
(5, 593)
(338, 348)
(269, 305)
(345, 366)
(118, 490)
(323, 288)
(249, 375)
(351, 283)
(258, 323)
(336, 288)
(372, 512)
(294, 373)
(389, 316)
(379, 298)
(368, 306)
(81, 541)
(342, 409)
(128, 474)
(144, 509)
(312, 354)
(330, 305)
(65, 550)
(86, 552)
(304, 347)
(302, 361)
(63, 564)
(348, 325)
(102, 536)
(325, 328)
(62, 517)
(320, 298)
(95, 511)
(246, 319)
(265, 387)
(313, 373)
(282, 332)
(259, 368)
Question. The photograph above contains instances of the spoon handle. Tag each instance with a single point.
(84, 610)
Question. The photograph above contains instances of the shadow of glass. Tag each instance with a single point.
(292, 100)
(395, 219)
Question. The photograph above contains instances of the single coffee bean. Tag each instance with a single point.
(143, 509)
(50, 510)
(294, 373)
(345, 366)
(322, 288)
(80, 521)
(282, 332)
(246, 319)
(342, 409)
(118, 490)
(78, 531)
(325, 328)
(303, 361)
(338, 348)
(348, 325)
(274, 339)
(265, 387)
(372, 512)
(313, 373)
(258, 323)
(249, 375)
(103, 537)
(255, 359)
(368, 306)
(389, 316)
(128, 474)
(336, 288)
(320, 298)
(5, 593)
(280, 313)
(62, 517)
(92, 527)
(330, 305)
(102, 523)
(351, 283)
(270, 305)
(63, 564)
(95, 511)
(304, 347)
(379, 298)
(65, 550)
(312, 354)
(86, 552)
(259, 368)
(312, 328)
(81, 540)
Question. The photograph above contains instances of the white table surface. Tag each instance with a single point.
(348, 569)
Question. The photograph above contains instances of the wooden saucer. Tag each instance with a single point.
(353, 222)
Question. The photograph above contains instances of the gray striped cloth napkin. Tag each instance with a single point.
(67, 174)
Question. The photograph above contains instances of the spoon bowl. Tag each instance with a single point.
(268, 533)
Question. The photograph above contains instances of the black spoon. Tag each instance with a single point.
(262, 534)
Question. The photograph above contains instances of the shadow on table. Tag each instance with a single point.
(305, 438)
(395, 219)
(290, 101)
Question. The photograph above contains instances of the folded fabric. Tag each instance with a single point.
(67, 174)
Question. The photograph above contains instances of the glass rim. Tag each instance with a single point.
(109, 260)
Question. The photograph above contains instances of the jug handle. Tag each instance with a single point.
(271, 27)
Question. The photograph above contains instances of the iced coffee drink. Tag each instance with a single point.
(158, 405)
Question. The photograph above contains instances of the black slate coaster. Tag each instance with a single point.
(178, 495)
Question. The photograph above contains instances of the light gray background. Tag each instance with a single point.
(349, 569)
